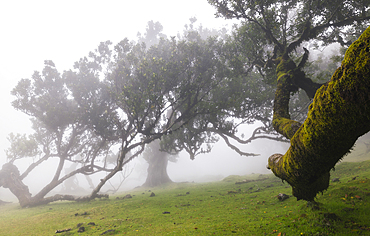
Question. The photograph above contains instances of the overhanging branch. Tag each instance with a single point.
(236, 149)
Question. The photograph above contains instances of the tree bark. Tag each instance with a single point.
(339, 114)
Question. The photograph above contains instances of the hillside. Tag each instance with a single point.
(219, 208)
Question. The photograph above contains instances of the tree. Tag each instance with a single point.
(156, 159)
(161, 90)
(198, 134)
(271, 32)
(61, 132)
(337, 117)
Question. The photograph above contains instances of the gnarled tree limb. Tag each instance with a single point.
(11, 179)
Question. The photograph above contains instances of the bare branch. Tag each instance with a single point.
(34, 165)
(236, 149)
(312, 32)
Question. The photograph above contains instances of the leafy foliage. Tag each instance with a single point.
(21, 146)
(272, 28)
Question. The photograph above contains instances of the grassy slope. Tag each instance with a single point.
(219, 208)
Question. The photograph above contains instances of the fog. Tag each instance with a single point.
(214, 166)
(34, 31)
(223, 161)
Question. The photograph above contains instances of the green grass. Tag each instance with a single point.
(218, 208)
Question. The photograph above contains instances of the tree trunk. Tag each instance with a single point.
(10, 178)
(339, 114)
(157, 170)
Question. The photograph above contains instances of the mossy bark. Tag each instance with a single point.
(339, 114)
(285, 87)
(290, 79)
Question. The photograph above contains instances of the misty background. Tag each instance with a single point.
(34, 31)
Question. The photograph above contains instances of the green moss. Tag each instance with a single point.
(339, 114)
(284, 66)
(286, 126)
(281, 120)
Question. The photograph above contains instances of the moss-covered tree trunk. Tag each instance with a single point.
(339, 114)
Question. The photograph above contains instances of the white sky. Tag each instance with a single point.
(32, 31)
